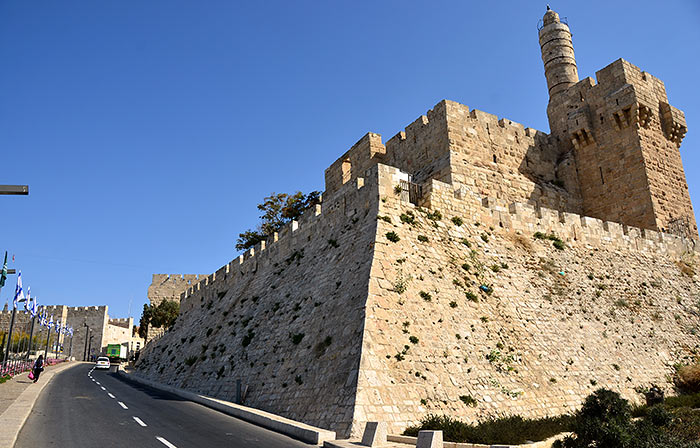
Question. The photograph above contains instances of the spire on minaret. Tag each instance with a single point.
(557, 53)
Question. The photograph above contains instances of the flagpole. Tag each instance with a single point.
(9, 338)
(31, 334)
(48, 338)
(70, 351)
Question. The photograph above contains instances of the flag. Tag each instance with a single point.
(32, 307)
(19, 292)
(29, 298)
(3, 275)
(50, 323)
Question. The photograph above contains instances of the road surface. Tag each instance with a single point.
(85, 408)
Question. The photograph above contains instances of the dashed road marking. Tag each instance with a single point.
(139, 421)
(110, 395)
(98, 383)
(123, 405)
(102, 387)
(165, 442)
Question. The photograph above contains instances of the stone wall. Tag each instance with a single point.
(286, 318)
(168, 287)
(429, 336)
(433, 339)
(96, 318)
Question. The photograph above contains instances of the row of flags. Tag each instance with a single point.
(31, 306)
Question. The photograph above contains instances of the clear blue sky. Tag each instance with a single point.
(149, 130)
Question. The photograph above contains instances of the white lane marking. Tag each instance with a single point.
(123, 405)
(98, 383)
(102, 387)
(110, 395)
(165, 442)
(139, 421)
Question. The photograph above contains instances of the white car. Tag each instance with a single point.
(102, 363)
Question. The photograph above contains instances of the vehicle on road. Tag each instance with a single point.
(116, 351)
(102, 363)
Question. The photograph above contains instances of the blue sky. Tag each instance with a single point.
(149, 130)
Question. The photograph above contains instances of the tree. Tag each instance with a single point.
(163, 315)
(278, 210)
(145, 320)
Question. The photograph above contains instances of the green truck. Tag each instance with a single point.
(116, 351)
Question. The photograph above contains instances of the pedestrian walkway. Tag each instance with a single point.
(17, 399)
(11, 389)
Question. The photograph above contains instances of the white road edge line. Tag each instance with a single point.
(165, 442)
(139, 421)
(110, 395)
(123, 405)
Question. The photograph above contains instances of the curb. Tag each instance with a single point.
(16, 415)
(301, 431)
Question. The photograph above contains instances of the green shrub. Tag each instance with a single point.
(471, 296)
(468, 400)
(453, 304)
(466, 242)
(413, 339)
(385, 218)
(422, 238)
(559, 244)
(408, 217)
(393, 237)
(484, 238)
(247, 339)
(434, 216)
(457, 221)
(508, 430)
(333, 243)
(425, 296)
(191, 360)
(466, 266)
(296, 338)
(398, 189)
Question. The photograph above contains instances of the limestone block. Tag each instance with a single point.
(375, 434)
(429, 439)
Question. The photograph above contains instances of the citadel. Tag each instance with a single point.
(468, 265)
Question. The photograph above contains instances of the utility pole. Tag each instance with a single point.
(87, 331)
(31, 333)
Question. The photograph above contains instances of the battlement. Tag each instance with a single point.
(125, 322)
(347, 203)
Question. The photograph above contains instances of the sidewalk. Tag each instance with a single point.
(17, 400)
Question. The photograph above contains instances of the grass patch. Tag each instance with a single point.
(457, 221)
(422, 238)
(508, 430)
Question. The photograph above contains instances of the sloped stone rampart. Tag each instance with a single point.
(286, 318)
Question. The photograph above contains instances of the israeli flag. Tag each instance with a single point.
(28, 300)
(32, 307)
(19, 292)
(50, 324)
(58, 326)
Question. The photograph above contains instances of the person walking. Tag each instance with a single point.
(38, 367)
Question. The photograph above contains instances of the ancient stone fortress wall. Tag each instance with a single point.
(436, 342)
(454, 144)
(286, 318)
(95, 316)
(168, 287)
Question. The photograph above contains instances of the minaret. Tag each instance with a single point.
(557, 54)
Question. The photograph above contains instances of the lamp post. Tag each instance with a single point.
(87, 331)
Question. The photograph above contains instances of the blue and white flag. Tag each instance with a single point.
(32, 307)
(19, 292)
(50, 323)
(58, 326)
(29, 298)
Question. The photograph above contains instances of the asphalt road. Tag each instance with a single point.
(82, 408)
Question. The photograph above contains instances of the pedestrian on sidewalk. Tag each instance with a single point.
(38, 367)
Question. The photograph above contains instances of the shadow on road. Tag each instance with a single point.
(153, 393)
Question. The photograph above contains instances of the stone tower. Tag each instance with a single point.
(624, 134)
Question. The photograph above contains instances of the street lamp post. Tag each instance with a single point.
(87, 335)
